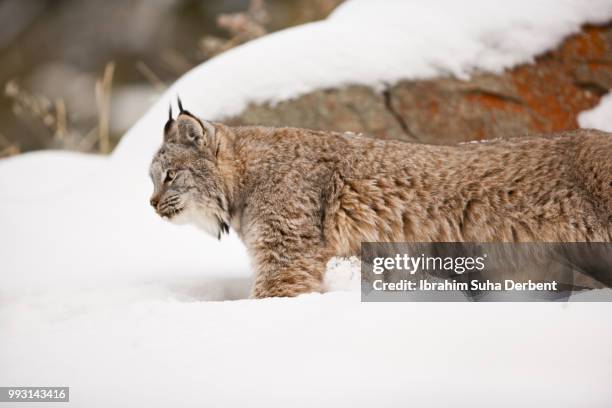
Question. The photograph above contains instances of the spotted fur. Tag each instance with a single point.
(297, 197)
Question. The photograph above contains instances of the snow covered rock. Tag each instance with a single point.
(543, 95)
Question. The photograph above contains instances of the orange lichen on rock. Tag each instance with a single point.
(549, 87)
(589, 44)
(552, 97)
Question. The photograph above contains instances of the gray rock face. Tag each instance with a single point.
(544, 96)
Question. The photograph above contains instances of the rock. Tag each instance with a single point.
(544, 96)
(354, 108)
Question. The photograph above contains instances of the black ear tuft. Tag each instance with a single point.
(169, 121)
(180, 104)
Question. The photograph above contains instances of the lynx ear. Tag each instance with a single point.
(191, 131)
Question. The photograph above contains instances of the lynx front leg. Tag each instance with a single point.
(289, 256)
(282, 273)
(285, 233)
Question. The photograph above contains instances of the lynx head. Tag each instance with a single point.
(188, 186)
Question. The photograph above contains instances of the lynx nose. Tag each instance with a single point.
(154, 201)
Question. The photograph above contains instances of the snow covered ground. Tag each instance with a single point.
(600, 117)
(97, 293)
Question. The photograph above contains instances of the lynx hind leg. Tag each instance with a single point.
(282, 273)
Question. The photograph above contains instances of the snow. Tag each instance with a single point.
(99, 294)
(600, 117)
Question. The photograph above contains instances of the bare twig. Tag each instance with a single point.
(88, 142)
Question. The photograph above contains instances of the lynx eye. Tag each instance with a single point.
(170, 176)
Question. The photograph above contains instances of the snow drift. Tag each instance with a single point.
(97, 293)
(600, 117)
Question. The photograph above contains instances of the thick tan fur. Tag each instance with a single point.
(297, 197)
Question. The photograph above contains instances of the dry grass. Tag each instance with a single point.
(103, 94)
(151, 76)
(49, 121)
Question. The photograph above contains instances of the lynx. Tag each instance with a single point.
(298, 197)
